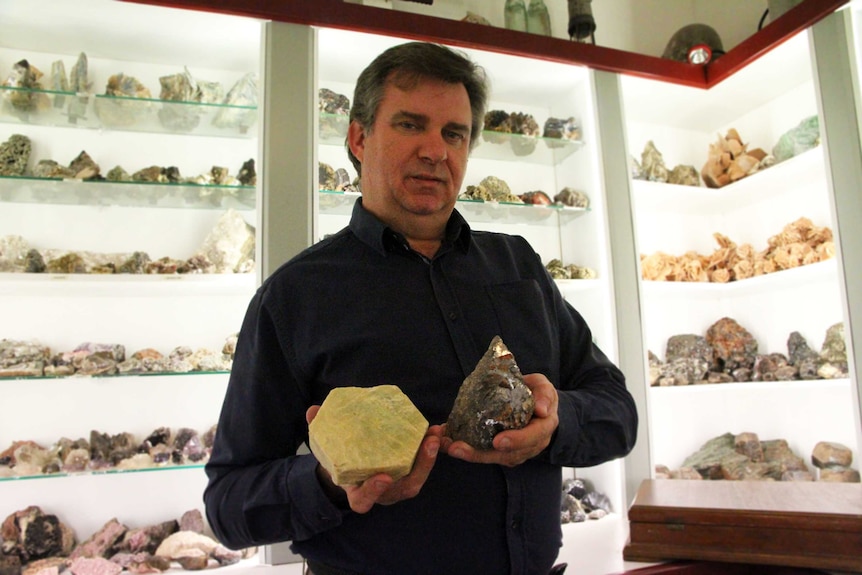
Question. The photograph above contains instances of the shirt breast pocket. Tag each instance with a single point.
(526, 323)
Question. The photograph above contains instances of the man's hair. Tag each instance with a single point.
(405, 65)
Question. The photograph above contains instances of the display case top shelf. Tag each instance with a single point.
(348, 15)
(23, 189)
(73, 110)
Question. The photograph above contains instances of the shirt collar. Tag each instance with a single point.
(383, 239)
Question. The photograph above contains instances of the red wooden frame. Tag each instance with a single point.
(345, 15)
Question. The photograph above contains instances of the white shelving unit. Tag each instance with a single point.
(762, 102)
(161, 312)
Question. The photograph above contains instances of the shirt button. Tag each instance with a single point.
(515, 524)
(453, 316)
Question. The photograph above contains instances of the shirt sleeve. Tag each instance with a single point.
(259, 490)
(598, 418)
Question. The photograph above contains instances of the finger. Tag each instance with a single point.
(409, 486)
(311, 413)
(362, 497)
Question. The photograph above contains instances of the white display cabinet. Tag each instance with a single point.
(160, 312)
(761, 102)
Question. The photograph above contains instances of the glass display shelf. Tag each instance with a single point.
(73, 378)
(793, 385)
(491, 146)
(769, 183)
(766, 283)
(156, 286)
(519, 148)
(62, 474)
(341, 204)
(26, 189)
(80, 110)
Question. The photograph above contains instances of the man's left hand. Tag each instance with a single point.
(515, 446)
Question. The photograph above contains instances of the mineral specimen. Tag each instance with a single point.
(360, 432)
(29, 98)
(561, 129)
(240, 105)
(229, 247)
(734, 346)
(80, 84)
(729, 160)
(334, 109)
(572, 198)
(126, 101)
(524, 125)
(536, 197)
(15, 155)
(491, 189)
(498, 126)
(805, 136)
(493, 398)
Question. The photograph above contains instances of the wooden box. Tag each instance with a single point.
(799, 524)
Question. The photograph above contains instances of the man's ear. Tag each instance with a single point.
(356, 139)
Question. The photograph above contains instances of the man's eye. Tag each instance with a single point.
(408, 125)
(456, 136)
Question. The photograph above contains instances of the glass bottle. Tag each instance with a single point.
(538, 19)
(516, 15)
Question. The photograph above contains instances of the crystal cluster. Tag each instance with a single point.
(745, 457)
(493, 398)
(29, 358)
(798, 243)
(38, 542)
(228, 248)
(729, 353)
(105, 451)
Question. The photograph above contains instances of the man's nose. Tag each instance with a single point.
(433, 148)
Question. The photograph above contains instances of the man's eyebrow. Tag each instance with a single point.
(403, 114)
(423, 119)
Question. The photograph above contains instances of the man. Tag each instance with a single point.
(408, 295)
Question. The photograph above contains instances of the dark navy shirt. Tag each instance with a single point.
(361, 308)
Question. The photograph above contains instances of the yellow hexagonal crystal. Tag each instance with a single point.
(360, 432)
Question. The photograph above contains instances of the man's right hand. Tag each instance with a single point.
(381, 489)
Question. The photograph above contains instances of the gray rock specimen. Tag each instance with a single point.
(241, 102)
(492, 399)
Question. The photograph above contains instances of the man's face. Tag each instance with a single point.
(415, 155)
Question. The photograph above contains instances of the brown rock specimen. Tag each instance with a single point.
(735, 348)
(360, 432)
(829, 454)
(730, 160)
(492, 399)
